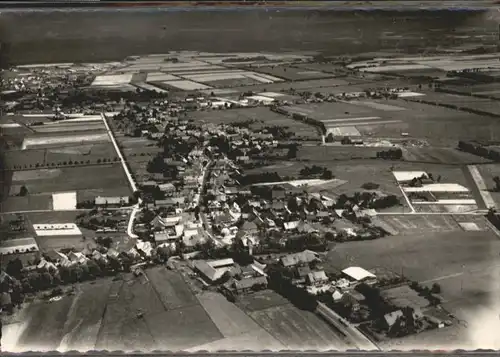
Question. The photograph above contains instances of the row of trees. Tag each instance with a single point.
(391, 154)
(479, 149)
(66, 163)
(316, 171)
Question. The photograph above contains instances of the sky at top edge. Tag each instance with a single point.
(239, 9)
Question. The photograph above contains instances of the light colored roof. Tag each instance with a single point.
(358, 273)
(22, 245)
(249, 282)
(408, 175)
(306, 256)
(221, 262)
(438, 187)
(64, 201)
(111, 200)
(56, 229)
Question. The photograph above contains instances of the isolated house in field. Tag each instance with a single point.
(116, 201)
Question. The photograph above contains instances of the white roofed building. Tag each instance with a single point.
(358, 274)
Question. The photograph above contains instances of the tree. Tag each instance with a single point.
(436, 288)
(496, 179)
(370, 186)
(23, 191)
(14, 268)
(327, 174)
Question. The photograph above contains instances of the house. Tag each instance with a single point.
(391, 318)
(165, 222)
(352, 299)
(171, 202)
(115, 201)
(248, 272)
(278, 206)
(77, 257)
(278, 193)
(303, 271)
(6, 302)
(290, 226)
(250, 227)
(247, 284)
(56, 256)
(211, 271)
(305, 257)
(317, 278)
(167, 188)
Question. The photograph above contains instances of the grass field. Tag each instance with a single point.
(442, 156)
(27, 203)
(324, 153)
(261, 300)
(407, 224)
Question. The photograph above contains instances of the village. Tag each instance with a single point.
(267, 196)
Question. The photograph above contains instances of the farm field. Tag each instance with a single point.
(229, 318)
(459, 261)
(76, 178)
(61, 139)
(173, 291)
(26, 203)
(298, 329)
(301, 86)
(61, 154)
(407, 225)
(70, 127)
(461, 101)
(292, 73)
(441, 156)
(341, 152)
(261, 300)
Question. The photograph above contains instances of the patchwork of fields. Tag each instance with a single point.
(103, 316)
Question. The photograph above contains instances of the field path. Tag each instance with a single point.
(479, 189)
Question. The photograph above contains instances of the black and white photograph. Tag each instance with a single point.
(249, 176)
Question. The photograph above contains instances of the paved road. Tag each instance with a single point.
(349, 331)
(206, 224)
